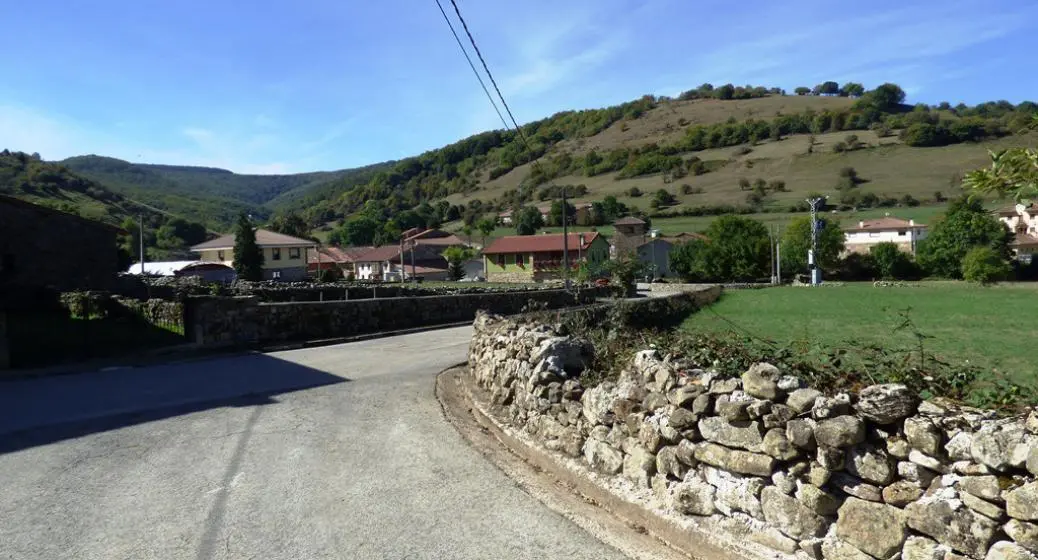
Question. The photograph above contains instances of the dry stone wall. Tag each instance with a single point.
(765, 460)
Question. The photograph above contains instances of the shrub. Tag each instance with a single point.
(839, 147)
(983, 265)
(686, 189)
(891, 262)
(743, 150)
(634, 192)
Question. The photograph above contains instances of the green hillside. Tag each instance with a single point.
(47, 184)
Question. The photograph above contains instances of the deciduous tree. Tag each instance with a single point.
(964, 226)
(737, 249)
(796, 241)
(528, 220)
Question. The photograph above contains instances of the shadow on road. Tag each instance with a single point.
(40, 411)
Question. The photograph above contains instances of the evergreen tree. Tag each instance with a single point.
(248, 257)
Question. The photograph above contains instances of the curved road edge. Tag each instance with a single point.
(629, 528)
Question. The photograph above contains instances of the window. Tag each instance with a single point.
(501, 261)
(220, 256)
(293, 252)
(275, 254)
(901, 233)
(873, 234)
(520, 259)
(276, 275)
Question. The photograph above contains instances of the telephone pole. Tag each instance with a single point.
(816, 272)
(142, 243)
(565, 241)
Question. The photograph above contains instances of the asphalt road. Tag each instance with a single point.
(333, 452)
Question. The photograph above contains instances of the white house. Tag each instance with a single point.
(284, 256)
(906, 234)
(1023, 222)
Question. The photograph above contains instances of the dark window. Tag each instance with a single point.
(220, 255)
(901, 232)
(501, 261)
(276, 275)
(293, 252)
(275, 254)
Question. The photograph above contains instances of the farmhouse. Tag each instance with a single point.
(906, 234)
(284, 257)
(536, 258)
(1023, 222)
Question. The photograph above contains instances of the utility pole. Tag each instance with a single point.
(413, 277)
(771, 239)
(142, 243)
(816, 272)
(565, 241)
(778, 259)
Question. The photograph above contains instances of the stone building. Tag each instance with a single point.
(40, 246)
(631, 233)
(536, 258)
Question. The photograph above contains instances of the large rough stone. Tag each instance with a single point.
(818, 475)
(832, 458)
(639, 466)
(733, 407)
(958, 447)
(682, 419)
(887, 403)
(856, 487)
(761, 381)
(735, 460)
(802, 400)
(735, 492)
(743, 435)
(774, 539)
(983, 507)
(649, 434)
(817, 500)
(944, 519)
(1005, 550)
(776, 445)
(667, 462)
(898, 447)
(1025, 534)
(598, 403)
(703, 404)
(758, 409)
(842, 431)
(801, 433)
(602, 457)
(870, 465)
(1022, 502)
(686, 453)
(902, 493)
(812, 548)
(995, 443)
(693, 498)
(986, 487)
(922, 548)
(831, 407)
(915, 473)
(654, 401)
(779, 415)
(923, 435)
(784, 482)
(836, 549)
(684, 396)
(926, 461)
(790, 516)
(725, 386)
(875, 529)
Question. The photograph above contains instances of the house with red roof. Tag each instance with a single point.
(536, 258)
(343, 260)
(906, 234)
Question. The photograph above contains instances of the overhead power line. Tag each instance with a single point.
(473, 66)
(518, 130)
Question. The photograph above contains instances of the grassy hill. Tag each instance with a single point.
(707, 149)
(48, 184)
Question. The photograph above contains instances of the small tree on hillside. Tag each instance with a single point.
(802, 90)
(456, 258)
(528, 220)
(248, 257)
(891, 262)
(984, 266)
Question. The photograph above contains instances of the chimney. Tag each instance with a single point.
(861, 224)
(911, 222)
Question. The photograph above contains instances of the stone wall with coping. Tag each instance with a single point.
(768, 465)
(245, 321)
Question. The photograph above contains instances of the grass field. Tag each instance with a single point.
(993, 328)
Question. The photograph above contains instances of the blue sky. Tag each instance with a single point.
(280, 87)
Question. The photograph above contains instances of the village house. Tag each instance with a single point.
(536, 258)
(343, 260)
(392, 263)
(1023, 222)
(906, 234)
(655, 252)
(436, 239)
(284, 257)
(630, 233)
(505, 218)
